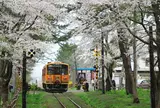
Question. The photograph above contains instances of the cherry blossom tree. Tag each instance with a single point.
(98, 16)
(122, 12)
(24, 25)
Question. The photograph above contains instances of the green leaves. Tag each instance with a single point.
(59, 39)
(65, 53)
(37, 37)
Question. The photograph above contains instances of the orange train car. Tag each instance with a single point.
(55, 77)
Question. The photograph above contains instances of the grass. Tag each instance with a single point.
(115, 99)
(112, 99)
(39, 100)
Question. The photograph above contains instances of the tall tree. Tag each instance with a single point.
(66, 54)
(156, 11)
(21, 29)
(129, 79)
(5, 75)
(151, 9)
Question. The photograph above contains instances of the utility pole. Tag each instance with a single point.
(102, 51)
(152, 74)
(24, 87)
(75, 74)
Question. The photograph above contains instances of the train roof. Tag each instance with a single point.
(55, 62)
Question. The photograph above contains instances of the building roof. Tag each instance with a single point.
(79, 69)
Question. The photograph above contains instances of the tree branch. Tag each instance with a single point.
(142, 19)
(134, 34)
(156, 63)
(18, 24)
(118, 57)
(31, 23)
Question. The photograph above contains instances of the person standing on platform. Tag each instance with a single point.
(93, 85)
(96, 83)
(87, 86)
(84, 85)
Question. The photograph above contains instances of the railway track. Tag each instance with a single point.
(65, 101)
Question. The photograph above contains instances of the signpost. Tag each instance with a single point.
(24, 86)
(24, 81)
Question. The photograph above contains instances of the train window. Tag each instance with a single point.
(57, 69)
(64, 69)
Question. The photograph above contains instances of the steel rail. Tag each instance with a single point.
(59, 101)
(78, 106)
(72, 101)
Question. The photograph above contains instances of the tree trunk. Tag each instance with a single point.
(127, 68)
(157, 92)
(130, 83)
(4, 94)
(156, 11)
(109, 80)
(5, 75)
(126, 61)
(109, 84)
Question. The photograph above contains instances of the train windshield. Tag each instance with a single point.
(57, 69)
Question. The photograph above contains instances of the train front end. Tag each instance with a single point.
(56, 77)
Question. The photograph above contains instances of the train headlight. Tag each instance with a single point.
(49, 78)
(65, 78)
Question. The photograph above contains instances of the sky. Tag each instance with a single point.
(37, 70)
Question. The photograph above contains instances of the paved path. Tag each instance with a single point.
(91, 88)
